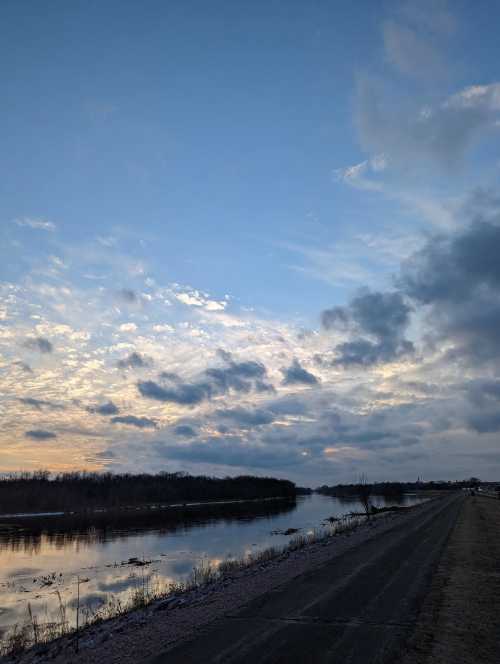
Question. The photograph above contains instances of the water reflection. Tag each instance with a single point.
(88, 529)
(41, 558)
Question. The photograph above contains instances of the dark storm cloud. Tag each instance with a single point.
(132, 420)
(40, 434)
(39, 404)
(335, 318)
(39, 344)
(457, 278)
(134, 361)
(242, 377)
(452, 269)
(295, 374)
(246, 418)
(378, 321)
(108, 408)
(185, 394)
(239, 376)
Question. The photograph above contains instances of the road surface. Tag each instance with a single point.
(359, 609)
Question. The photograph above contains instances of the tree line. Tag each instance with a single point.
(396, 488)
(42, 491)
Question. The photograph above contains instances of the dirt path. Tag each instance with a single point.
(460, 619)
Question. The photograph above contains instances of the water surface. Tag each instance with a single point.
(42, 557)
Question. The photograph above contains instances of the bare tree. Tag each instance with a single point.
(364, 491)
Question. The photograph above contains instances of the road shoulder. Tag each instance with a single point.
(460, 619)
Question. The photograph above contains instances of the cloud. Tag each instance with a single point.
(356, 175)
(39, 344)
(245, 418)
(128, 327)
(483, 391)
(24, 367)
(183, 394)
(288, 405)
(380, 320)
(108, 408)
(295, 374)
(39, 404)
(411, 52)
(128, 295)
(134, 361)
(132, 420)
(40, 434)
(439, 133)
(486, 422)
(456, 277)
(195, 298)
(484, 397)
(170, 375)
(184, 430)
(229, 451)
(336, 318)
(242, 377)
(37, 224)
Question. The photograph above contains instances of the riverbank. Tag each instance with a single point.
(460, 619)
(136, 635)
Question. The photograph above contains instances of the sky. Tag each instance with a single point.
(251, 238)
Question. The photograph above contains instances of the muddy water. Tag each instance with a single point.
(42, 557)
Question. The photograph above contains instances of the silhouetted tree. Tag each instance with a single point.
(364, 491)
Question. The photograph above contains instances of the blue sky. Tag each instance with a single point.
(180, 181)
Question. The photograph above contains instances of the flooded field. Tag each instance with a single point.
(114, 554)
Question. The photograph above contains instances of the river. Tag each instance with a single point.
(42, 557)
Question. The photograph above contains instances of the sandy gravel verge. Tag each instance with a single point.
(141, 634)
(460, 619)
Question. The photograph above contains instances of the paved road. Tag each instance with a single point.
(359, 609)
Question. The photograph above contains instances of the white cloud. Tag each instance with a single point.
(164, 327)
(197, 299)
(58, 262)
(35, 223)
(356, 175)
(128, 327)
